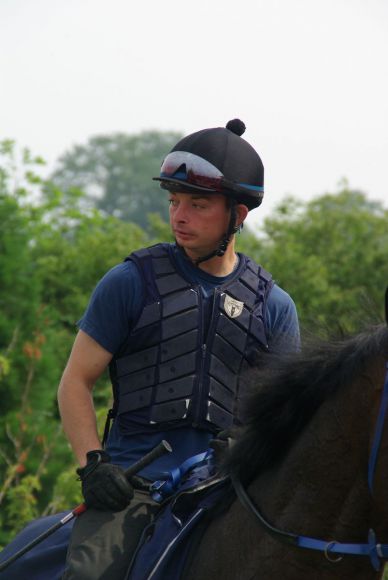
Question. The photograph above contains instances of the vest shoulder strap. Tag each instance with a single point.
(143, 259)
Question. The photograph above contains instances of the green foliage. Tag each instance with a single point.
(66, 492)
(22, 502)
(160, 229)
(52, 253)
(73, 255)
(116, 173)
(331, 256)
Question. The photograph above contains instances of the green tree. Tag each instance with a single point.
(330, 254)
(116, 171)
(52, 254)
(19, 286)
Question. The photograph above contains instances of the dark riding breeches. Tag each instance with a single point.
(102, 543)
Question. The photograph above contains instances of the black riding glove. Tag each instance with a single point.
(104, 486)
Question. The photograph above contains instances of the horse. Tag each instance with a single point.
(311, 469)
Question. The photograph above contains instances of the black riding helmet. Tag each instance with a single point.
(216, 161)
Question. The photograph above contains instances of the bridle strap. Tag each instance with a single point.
(372, 549)
(242, 494)
(378, 432)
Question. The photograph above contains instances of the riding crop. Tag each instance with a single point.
(154, 454)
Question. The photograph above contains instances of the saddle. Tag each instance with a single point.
(168, 544)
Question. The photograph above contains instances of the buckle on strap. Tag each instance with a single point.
(374, 550)
(163, 488)
(330, 558)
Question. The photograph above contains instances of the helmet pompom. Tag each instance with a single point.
(236, 126)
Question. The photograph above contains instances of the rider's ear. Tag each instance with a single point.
(241, 213)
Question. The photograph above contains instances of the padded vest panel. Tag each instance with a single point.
(170, 374)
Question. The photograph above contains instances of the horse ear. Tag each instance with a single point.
(386, 305)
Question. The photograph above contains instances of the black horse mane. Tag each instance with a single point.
(290, 389)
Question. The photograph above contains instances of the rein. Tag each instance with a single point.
(378, 431)
(374, 550)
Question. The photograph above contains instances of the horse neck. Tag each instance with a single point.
(320, 487)
(379, 483)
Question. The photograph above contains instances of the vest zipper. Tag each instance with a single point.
(198, 394)
(197, 416)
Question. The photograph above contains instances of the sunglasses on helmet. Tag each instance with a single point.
(181, 166)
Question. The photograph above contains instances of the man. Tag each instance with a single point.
(176, 324)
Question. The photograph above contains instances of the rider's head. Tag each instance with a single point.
(218, 161)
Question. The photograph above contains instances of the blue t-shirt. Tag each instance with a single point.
(113, 308)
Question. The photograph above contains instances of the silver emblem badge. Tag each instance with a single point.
(233, 308)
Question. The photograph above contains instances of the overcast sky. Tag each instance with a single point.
(308, 77)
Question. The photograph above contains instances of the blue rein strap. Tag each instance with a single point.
(163, 488)
(378, 432)
(374, 550)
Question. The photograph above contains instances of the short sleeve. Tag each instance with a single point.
(282, 323)
(114, 306)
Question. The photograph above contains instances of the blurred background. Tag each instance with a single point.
(308, 78)
(93, 95)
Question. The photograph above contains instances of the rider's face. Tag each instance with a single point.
(198, 221)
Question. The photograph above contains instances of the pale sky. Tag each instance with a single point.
(308, 77)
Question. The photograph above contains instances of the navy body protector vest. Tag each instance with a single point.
(176, 368)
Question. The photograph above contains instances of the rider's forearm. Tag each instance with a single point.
(78, 417)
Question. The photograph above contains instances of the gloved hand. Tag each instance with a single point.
(104, 486)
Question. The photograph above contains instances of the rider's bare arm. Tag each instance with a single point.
(86, 363)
